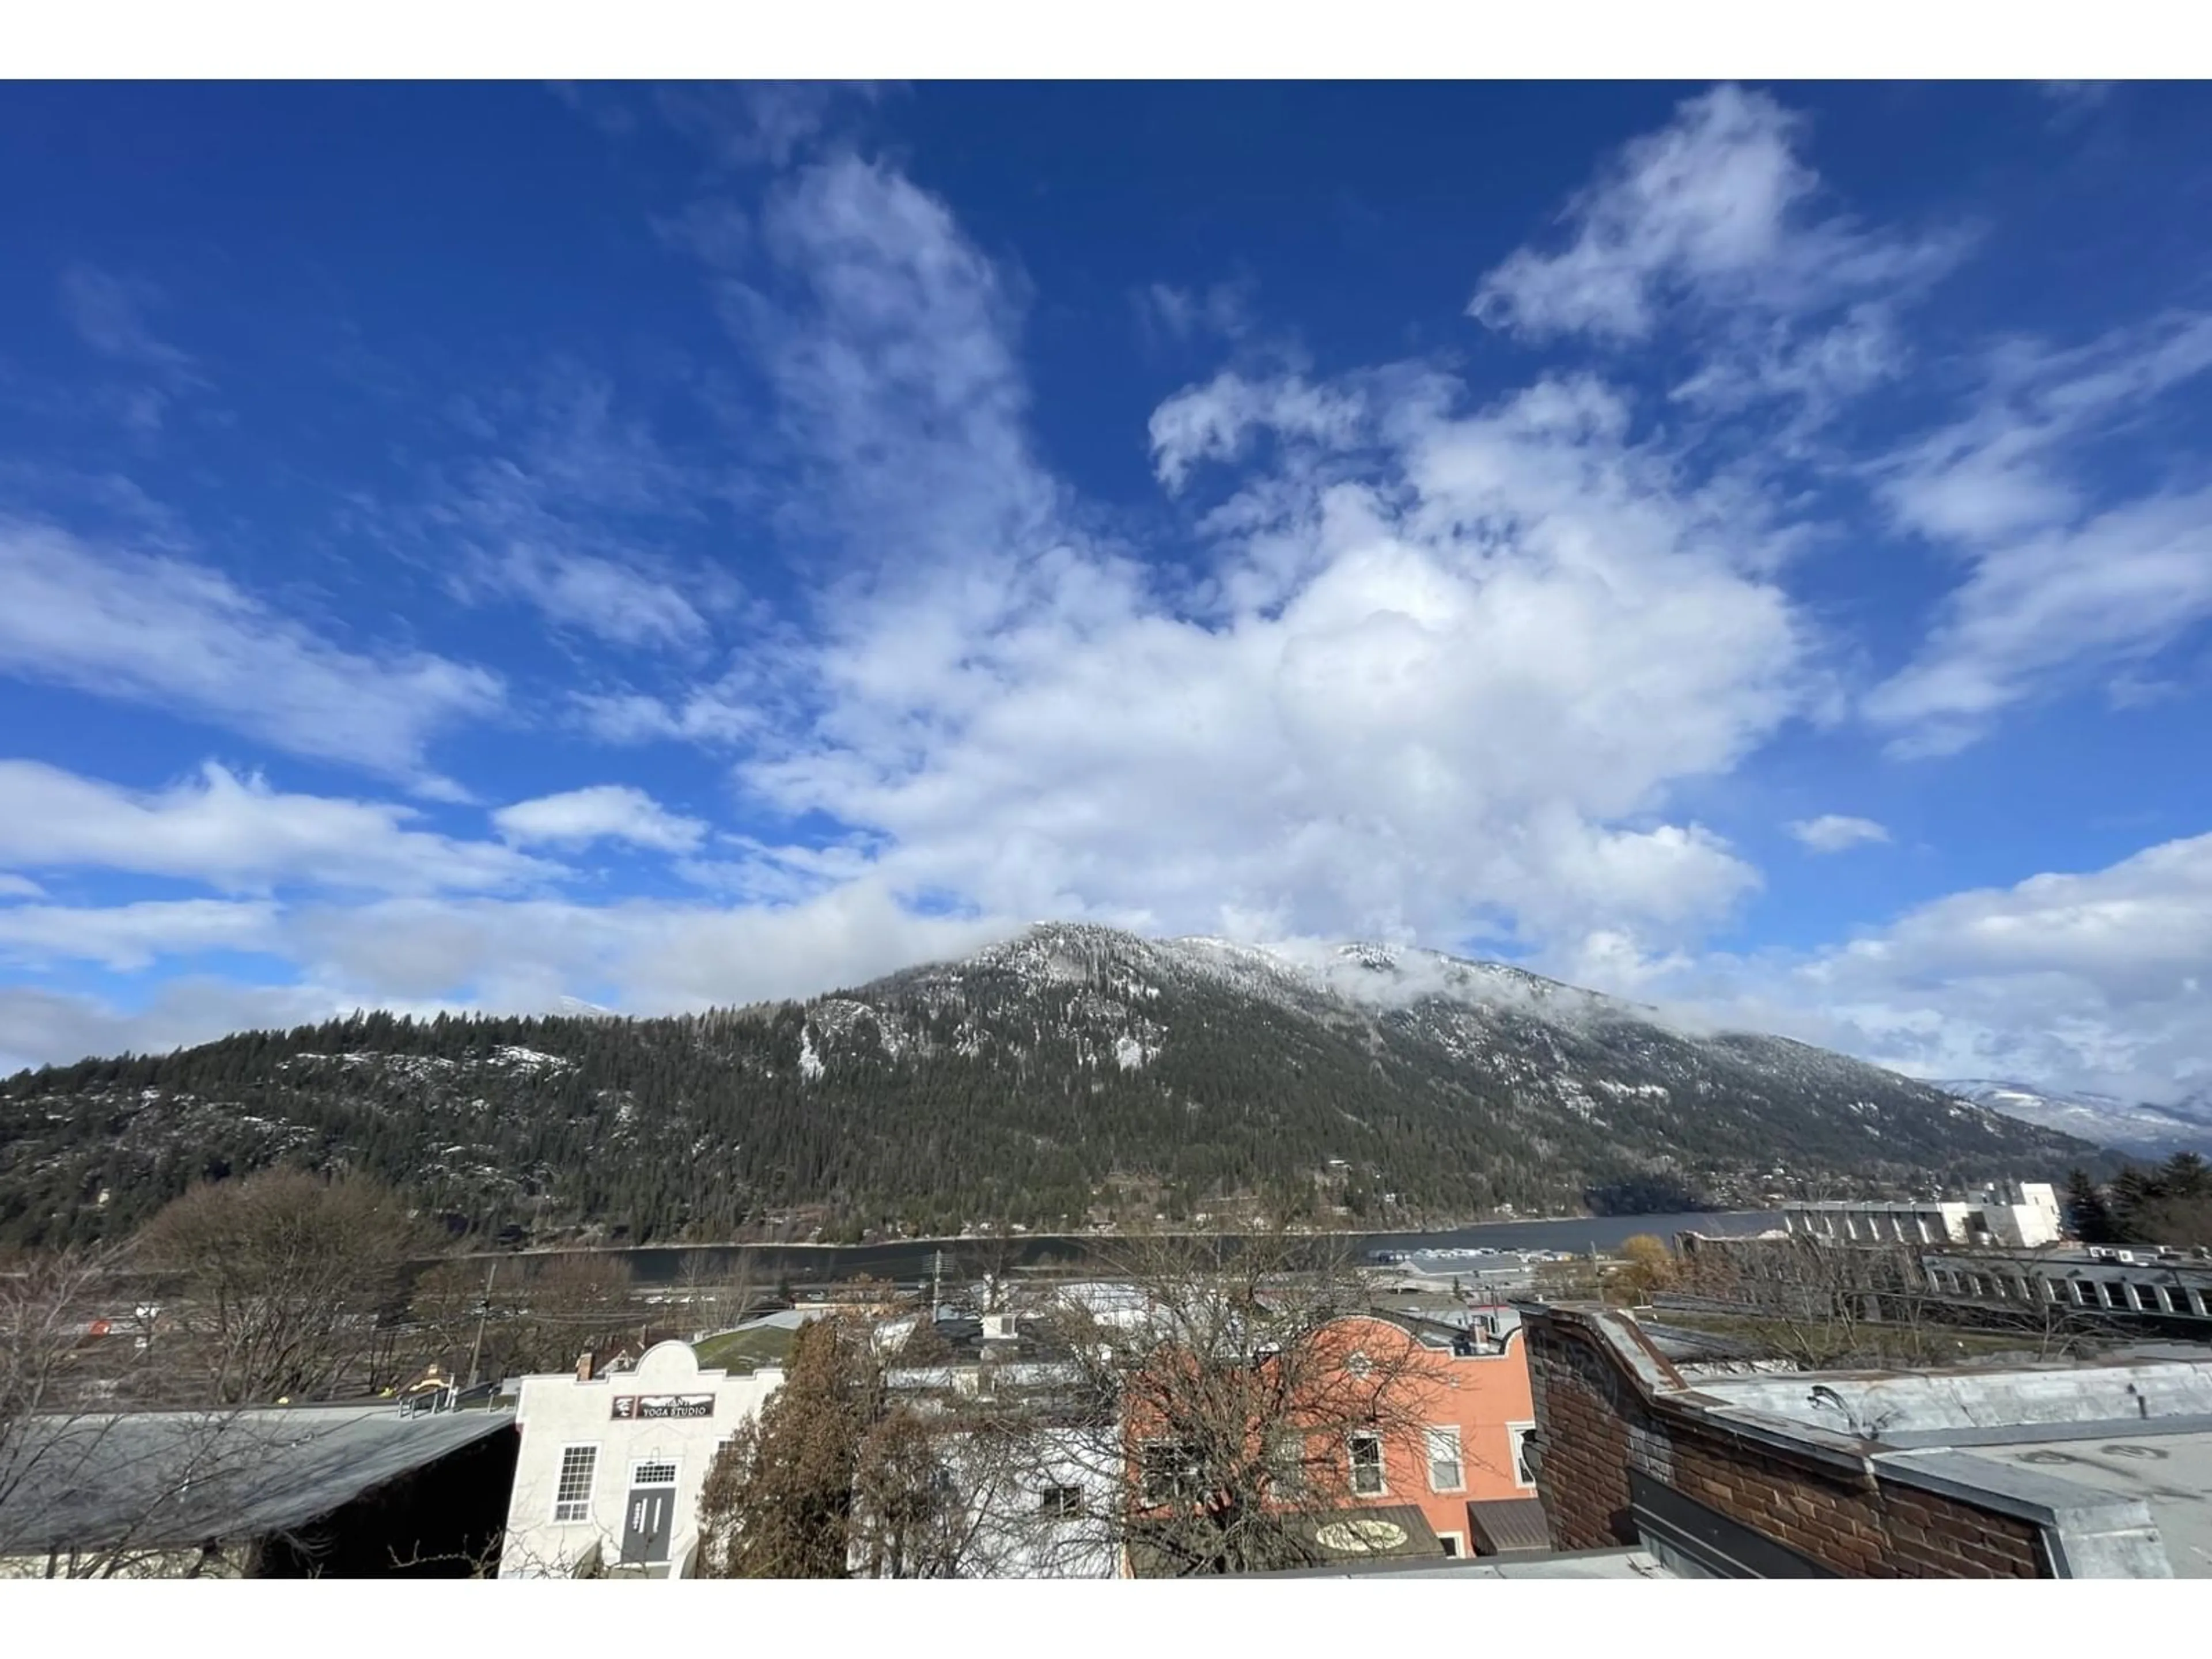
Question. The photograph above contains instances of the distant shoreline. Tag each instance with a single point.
(1058, 1244)
(924, 1242)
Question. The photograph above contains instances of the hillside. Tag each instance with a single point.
(1071, 1071)
(2150, 1131)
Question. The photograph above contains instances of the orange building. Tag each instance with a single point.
(1478, 1408)
(1450, 1437)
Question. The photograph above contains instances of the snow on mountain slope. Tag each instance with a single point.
(1548, 1064)
(2153, 1131)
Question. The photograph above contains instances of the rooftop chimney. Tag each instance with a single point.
(583, 1367)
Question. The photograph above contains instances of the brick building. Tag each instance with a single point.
(1444, 1461)
(2056, 1471)
(1470, 1456)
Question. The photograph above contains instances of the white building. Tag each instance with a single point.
(2164, 1283)
(1123, 1306)
(2015, 1216)
(1040, 1505)
(613, 1465)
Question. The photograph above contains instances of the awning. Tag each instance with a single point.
(1318, 1539)
(1507, 1525)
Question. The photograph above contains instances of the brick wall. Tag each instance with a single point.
(1584, 1409)
(1596, 1420)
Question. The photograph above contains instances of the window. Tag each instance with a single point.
(1519, 1434)
(1443, 1461)
(1170, 1472)
(1367, 1465)
(1451, 1541)
(1286, 1459)
(659, 1472)
(572, 1492)
(1060, 1502)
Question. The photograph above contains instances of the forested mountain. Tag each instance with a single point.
(1072, 1072)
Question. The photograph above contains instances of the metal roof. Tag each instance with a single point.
(1497, 1525)
(163, 1478)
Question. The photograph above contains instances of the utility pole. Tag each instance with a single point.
(936, 1280)
(476, 1352)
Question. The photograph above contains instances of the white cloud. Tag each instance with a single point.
(1820, 372)
(2100, 979)
(19, 887)
(420, 955)
(2060, 587)
(598, 103)
(238, 834)
(126, 938)
(709, 715)
(596, 595)
(650, 956)
(750, 124)
(1222, 309)
(1450, 684)
(2043, 612)
(1832, 832)
(2009, 467)
(607, 812)
(888, 339)
(2073, 101)
(1713, 210)
(109, 314)
(40, 1027)
(560, 517)
(1215, 421)
(161, 630)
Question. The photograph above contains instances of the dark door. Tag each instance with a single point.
(646, 1528)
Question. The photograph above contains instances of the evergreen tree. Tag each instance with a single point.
(2087, 1212)
(778, 1502)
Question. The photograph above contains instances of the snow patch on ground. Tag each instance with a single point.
(530, 1060)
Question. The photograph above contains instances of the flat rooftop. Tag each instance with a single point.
(2171, 1472)
(2134, 1429)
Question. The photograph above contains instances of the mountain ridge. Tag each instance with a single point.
(2139, 1127)
(1066, 1075)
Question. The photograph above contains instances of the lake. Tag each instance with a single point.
(912, 1259)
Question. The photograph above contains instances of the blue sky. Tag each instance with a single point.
(1743, 547)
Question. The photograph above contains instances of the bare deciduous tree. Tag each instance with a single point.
(281, 1280)
(716, 1287)
(46, 1302)
(84, 1492)
(910, 1519)
(1822, 1303)
(1246, 1401)
(571, 1302)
